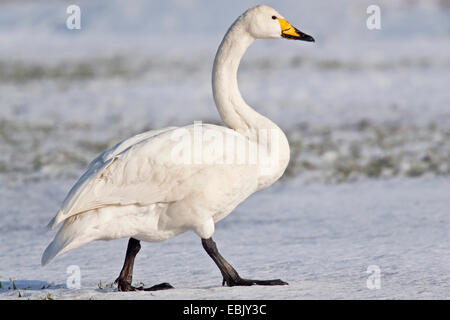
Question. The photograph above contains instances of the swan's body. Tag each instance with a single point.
(137, 189)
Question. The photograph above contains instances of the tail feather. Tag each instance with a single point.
(51, 224)
(102, 224)
(50, 252)
(60, 244)
(59, 217)
(70, 236)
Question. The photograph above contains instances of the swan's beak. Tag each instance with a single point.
(290, 32)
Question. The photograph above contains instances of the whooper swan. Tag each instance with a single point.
(159, 184)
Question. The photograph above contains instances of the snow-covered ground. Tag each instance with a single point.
(319, 238)
(367, 114)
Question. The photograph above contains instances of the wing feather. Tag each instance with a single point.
(139, 171)
(73, 203)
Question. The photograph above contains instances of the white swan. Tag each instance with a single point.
(142, 190)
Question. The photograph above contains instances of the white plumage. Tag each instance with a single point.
(139, 189)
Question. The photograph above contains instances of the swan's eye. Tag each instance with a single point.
(273, 17)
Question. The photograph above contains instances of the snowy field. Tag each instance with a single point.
(367, 114)
(322, 246)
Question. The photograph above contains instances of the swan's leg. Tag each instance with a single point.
(126, 275)
(230, 276)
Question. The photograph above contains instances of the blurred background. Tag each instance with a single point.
(358, 103)
(367, 114)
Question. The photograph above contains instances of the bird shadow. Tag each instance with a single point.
(27, 285)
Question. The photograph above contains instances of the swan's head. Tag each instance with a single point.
(265, 22)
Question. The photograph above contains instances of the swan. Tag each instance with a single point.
(148, 188)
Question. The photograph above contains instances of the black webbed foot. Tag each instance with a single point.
(230, 282)
(124, 286)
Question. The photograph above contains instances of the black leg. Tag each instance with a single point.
(126, 275)
(230, 276)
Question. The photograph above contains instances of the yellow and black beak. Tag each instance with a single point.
(290, 32)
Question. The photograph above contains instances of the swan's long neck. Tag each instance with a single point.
(232, 107)
(230, 104)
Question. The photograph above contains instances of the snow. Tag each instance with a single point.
(319, 238)
(367, 114)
